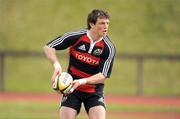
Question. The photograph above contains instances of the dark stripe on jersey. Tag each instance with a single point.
(79, 74)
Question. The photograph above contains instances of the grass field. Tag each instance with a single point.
(41, 106)
(38, 110)
(136, 26)
(160, 77)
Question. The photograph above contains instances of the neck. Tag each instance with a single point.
(94, 36)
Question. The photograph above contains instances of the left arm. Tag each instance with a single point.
(95, 79)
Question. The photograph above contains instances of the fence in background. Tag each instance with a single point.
(139, 58)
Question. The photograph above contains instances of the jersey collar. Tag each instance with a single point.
(91, 39)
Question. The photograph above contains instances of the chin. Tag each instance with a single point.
(104, 34)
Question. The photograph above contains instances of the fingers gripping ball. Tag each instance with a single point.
(62, 82)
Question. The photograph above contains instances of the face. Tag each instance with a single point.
(101, 27)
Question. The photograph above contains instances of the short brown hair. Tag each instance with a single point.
(94, 15)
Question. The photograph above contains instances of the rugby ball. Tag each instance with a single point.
(63, 82)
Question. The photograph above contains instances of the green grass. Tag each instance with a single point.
(33, 75)
(29, 74)
(143, 108)
(136, 26)
(30, 110)
(141, 26)
(159, 78)
(47, 110)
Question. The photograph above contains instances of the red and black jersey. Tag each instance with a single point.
(86, 57)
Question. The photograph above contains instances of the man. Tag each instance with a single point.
(90, 63)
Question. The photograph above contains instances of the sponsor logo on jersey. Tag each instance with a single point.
(97, 52)
(86, 59)
(82, 47)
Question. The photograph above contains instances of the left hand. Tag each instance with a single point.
(77, 83)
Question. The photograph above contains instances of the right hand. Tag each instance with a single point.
(57, 71)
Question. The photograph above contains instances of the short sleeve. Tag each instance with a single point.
(66, 40)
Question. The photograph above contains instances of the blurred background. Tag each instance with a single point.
(146, 34)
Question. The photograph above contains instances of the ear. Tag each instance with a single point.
(92, 25)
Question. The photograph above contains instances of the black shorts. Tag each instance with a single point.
(75, 99)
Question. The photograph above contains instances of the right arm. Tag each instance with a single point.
(51, 55)
(60, 43)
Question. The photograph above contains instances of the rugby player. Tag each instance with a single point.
(91, 55)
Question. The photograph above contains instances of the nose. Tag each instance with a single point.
(106, 26)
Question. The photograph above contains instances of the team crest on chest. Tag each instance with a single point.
(97, 52)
